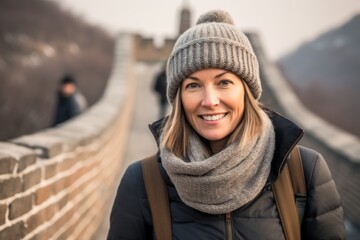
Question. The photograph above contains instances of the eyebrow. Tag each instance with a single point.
(217, 76)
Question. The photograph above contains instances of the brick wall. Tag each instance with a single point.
(56, 184)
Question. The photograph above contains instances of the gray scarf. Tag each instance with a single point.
(226, 180)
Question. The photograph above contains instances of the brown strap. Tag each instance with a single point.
(157, 195)
(297, 172)
(285, 196)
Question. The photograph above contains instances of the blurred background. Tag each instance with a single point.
(314, 44)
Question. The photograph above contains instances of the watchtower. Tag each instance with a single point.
(185, 18)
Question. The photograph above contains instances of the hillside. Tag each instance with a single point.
(325, 74)
(39, 43)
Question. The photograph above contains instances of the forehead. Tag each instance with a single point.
(210, 73)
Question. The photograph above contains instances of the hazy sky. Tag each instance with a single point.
(282, 24)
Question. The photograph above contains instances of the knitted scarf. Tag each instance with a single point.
(226, 180)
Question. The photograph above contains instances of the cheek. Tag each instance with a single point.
(237, 103)
(188, 103)
(189, 107)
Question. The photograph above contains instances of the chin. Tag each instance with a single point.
(213, 137)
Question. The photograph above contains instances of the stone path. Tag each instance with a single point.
(140, 142)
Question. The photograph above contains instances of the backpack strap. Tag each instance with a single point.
(157, 195)
(298, 181)
(290, 186)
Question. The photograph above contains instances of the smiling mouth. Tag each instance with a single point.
(213, 117)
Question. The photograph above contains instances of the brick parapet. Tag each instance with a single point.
(52, 179)
(147, 51)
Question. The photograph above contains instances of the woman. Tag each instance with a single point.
(219, 150)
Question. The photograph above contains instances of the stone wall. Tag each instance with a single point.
(57, 183)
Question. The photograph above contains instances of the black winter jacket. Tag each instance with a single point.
(259, 219)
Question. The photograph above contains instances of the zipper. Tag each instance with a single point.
(228, 223)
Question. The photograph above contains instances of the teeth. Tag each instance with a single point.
(213, 117)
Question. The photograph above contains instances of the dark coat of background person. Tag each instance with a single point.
(258, 219)
(69, 106)
(159, 87)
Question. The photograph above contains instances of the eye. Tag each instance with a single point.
(225, 83)
(191, 85)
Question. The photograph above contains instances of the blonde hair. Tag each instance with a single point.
(177, 130)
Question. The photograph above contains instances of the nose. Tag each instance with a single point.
(210, 98)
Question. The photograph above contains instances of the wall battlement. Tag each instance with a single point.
(147, 51)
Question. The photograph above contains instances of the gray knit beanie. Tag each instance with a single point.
(214, 42)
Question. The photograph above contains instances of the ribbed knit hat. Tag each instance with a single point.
(213, 42)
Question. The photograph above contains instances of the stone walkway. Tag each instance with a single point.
(140, 143)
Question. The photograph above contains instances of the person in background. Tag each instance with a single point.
(220, 150)
(70, 101)
(159, 86)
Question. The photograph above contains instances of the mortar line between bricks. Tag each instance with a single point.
(41, 184)
(77, 213)
(59, 159)
(48, 202)
(65, 209)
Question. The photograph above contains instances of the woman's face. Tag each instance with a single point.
(213, 101)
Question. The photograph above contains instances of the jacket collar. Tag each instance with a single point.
(287, 135)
